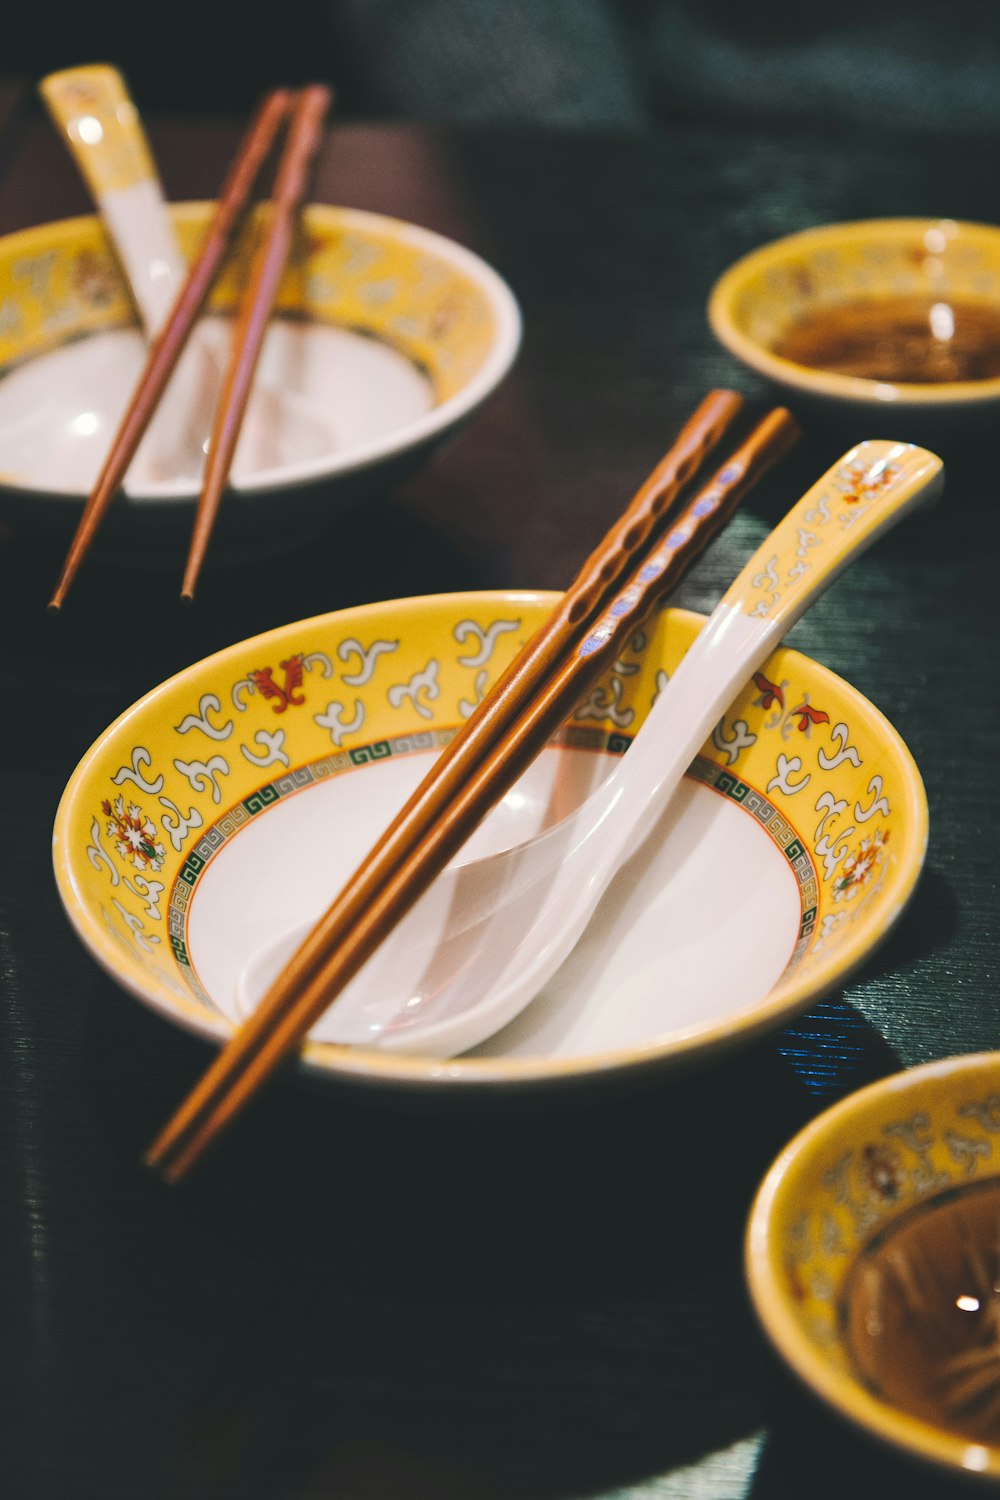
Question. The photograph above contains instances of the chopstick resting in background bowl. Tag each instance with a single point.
(308, 113)
(509, 728)
(310, 107)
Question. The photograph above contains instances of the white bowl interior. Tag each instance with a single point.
(788, 853)
(384, 337)
(711, 885)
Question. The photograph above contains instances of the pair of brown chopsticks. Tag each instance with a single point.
(305, 112)
(508, 729)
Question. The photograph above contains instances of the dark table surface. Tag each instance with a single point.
(353, 1298)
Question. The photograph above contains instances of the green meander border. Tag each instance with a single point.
(711, 774)
(703, 770)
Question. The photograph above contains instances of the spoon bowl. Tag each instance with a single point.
(488, 935)
(790, 849)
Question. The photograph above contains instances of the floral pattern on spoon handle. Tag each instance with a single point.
(856, 500)
(92, 108)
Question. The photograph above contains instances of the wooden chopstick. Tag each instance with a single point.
(169, 343)
(304, 131)
(354, 928)
(592, 588)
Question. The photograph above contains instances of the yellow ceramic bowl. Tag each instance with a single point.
(229, 805)
(759, 300)
(389, 333)
(875, 1163)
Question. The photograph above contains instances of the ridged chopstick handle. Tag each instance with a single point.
(290, 1009)
(701, 520)
(699, 436)
(592, 588)
(450, 772)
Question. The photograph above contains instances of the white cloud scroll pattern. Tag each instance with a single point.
(35, 271)
(786, 768)
(604, 702)
(484, 641)
(467, 706)
(332, 718)
(469, 630)
(273, 751)
(768, 581)
(208, 703)
(986, 1112)
(422, 685)
(879, 803)
(10, 318)
(841, 735)
(134, 773)
(204, 774)
(148, 891)
(137, 927)
(831, 845)
(98, 855)
(732, 745)
(178, 825)
(367, 659)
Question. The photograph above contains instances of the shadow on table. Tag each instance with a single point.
(808, 1451)
(535, 1297)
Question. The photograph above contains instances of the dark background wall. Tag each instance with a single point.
(916, 67)
(212, 58)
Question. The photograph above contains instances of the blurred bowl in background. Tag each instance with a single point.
(900, 315)
(873, 1260)
(395, 335)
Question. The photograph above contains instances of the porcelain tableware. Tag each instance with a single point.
(486, 937)
(397, 332)
(904, 313)
(867, 1179)
(241, 793)
(101, 126)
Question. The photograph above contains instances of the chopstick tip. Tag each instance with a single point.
(151, 1160)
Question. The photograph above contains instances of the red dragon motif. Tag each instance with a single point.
(808, 716)
(286, 693)
(770, 692)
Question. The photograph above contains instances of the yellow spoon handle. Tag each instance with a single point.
(102, 126)
(99, 122)
(870, 488)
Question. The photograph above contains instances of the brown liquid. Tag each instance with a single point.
(921, 1312)
(910, 339)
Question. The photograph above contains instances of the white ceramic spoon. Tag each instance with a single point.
(487, 935)
(102, 128)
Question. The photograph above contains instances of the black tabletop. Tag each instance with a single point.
(364, 1298)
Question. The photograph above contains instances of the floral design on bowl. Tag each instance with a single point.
(884, 1158)
(265, 784)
